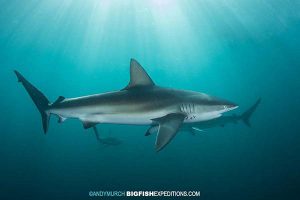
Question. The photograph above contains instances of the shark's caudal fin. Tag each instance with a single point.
(39, 99)
(248, 113)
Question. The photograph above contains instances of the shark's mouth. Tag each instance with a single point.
(227, 108)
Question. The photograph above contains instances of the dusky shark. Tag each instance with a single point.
(141, 102)
(217, 122)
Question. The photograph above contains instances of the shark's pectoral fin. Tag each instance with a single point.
(138, 76)
(151, 130)
(168, 127)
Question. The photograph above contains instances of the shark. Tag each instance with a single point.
(201, 126)
(141, 102)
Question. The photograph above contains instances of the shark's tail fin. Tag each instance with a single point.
(39, 99)
(248, 113)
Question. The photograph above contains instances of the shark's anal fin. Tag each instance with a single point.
(138, 76)
(61, 119)
(168, 127)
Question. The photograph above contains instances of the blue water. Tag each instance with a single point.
(237, 50)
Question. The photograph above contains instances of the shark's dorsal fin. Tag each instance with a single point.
(58, 100)
(138, 76)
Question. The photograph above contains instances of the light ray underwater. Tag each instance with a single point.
(150, 95)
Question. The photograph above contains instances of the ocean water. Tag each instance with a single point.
(237, 50)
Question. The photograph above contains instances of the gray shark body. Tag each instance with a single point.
(140, 102)
(139, 106)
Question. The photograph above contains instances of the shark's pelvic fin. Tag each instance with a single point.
(87, 124)
(168, 127)
(138, 76)
(61, 119)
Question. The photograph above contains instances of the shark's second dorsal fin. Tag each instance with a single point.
(58, 100)
(138, 76)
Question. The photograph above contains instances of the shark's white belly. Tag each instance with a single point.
(138, 117)
(119, 119)
(142, 119)
(132, 118)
